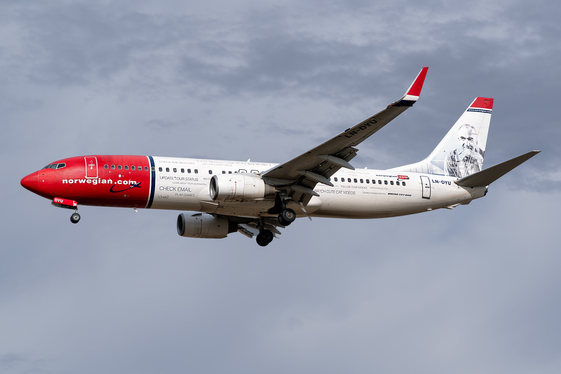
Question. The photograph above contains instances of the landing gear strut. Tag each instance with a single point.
(75, 217)
(264, 237)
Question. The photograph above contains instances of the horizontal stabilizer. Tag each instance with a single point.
(489, 175)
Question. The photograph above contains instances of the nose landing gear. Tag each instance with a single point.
(67, 204)
(75, 217)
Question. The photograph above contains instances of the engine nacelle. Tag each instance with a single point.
(204, 226)
(239, 187)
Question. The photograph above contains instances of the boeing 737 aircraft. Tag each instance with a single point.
(258, 198)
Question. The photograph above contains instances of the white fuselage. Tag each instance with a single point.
(183, 184)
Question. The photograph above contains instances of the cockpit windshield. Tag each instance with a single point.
(55, 166)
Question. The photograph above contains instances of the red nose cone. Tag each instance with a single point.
(31, 182)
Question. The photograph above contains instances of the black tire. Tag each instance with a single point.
(265, 237)
(261, 242)
(75, 218)
(286, 217)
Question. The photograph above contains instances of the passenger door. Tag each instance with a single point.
(91, 166)
(425, 185)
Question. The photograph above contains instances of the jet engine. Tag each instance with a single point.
(239, 187)
(202, 225)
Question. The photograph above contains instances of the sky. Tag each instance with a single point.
(473, 289)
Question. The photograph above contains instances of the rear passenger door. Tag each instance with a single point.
(425, 185)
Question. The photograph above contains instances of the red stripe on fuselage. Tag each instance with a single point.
(119, 181)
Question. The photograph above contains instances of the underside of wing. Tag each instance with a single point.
(298, 177)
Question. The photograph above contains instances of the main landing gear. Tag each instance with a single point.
(265, 237)
(287, 216)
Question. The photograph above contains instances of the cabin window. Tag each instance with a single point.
(126, 167)
(160, 169)
(403, 183)
(335, 179)
(361, 181)
(196, 171)
(133, 167)
(391, 182)
(106, 166)
(385, 182)
(146, 168)
(368, 181)
(230, 172)
(182, 170)
(210, 172)
(112, 167)
(349, 180)
(167, 170)
(397, 183)
(120, 167)
(189, 171)
(355, 180)
(380, 182)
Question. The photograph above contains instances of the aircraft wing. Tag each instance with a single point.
(299, 176)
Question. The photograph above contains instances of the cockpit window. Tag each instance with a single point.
(55, 166)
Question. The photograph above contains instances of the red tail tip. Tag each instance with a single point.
(483, 103)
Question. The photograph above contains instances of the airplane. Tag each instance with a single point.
(259, 198)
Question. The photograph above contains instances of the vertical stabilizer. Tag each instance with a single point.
(460, 153)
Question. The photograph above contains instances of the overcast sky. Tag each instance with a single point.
(472, 290)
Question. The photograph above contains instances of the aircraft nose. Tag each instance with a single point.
(31, 182)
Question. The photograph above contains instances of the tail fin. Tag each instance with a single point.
(460, 153)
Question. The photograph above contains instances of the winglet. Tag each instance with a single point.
(414, 91)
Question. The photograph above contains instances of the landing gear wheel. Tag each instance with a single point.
(286, 217)
(264, 237)
(75, 218)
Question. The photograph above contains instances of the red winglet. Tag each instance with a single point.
(415, 89)
(482, 102)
